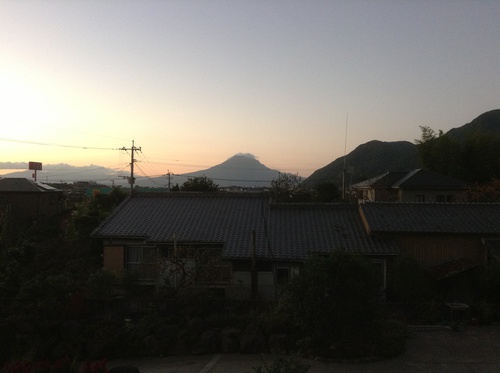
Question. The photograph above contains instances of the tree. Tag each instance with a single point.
(333, 305)
(480, 157)
(285, 187)
(485, 193)
(439, 153)
(474, 158)
(199, 184)
(92, 212)
(326, 192)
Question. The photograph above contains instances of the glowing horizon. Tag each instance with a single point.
(194, 83)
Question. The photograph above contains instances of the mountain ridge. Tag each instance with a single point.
(245, 170)
(367, 160)
(376, 157)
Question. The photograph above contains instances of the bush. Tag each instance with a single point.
(333, 306)
(410, 283)
(391, 340)
(100, 284)
(282, 365)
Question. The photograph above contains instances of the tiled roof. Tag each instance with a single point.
(288, 233)
(194, 217)
(427, 179)
(413, 179)
(23, 185)
(298, 230)
(382, 181)
(432, 217)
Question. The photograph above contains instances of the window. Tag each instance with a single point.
(282, 275)
(143, 260)
(419, 198)
(186, 264)
(379, 265)
(210, 268)
(445, 198)
(201, 263)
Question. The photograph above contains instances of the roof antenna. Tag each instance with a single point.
(345, 152)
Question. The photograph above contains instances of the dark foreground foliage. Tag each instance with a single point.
(333, 309)
(283, 365)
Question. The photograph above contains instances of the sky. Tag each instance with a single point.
(295, 83)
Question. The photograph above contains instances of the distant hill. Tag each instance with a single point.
(66, 173)
(368, 160)
(488, 123)
(242, 170)
(470, 153)
(376, 157)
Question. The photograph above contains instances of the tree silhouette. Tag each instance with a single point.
(199, 184)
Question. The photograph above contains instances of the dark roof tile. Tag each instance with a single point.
(291, 232)
(460, 218)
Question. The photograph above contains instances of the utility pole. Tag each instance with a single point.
(131, 179)
(168, 175)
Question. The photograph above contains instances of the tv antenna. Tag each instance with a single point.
(345, 155)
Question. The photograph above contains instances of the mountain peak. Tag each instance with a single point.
(245, 155)
(242, 169)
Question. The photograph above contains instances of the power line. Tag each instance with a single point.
(66, 129)
(57, 145)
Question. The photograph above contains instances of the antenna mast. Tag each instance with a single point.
(345, 153)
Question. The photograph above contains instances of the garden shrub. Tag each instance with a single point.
(283, 365)
(333, 307)
(409, 281)
(100, 284)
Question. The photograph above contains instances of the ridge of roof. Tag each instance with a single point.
(370, 181)
(19, 184)
(259, 195)
(408, 176)
(312, 206)
(408, 179)
(420, 178)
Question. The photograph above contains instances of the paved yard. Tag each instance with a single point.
(475, 349)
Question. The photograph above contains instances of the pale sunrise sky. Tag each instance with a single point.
(196, 82)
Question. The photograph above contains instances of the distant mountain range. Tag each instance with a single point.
(375, 157)
(244, 170)
(62, 172)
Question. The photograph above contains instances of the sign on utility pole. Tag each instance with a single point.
(35, 166)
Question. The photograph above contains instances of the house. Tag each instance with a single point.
(243, 245)
(445, 239)
(414, 186)
(25, 200)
